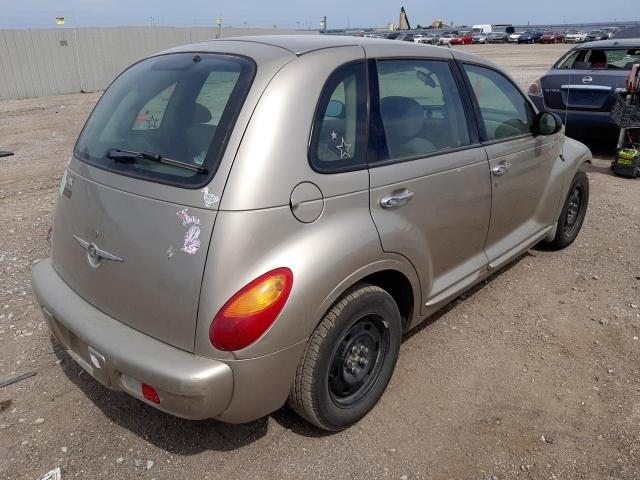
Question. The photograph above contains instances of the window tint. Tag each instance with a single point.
(504, 110)
(339, 132)
(181, 106)
(150, 116)
(215, 93)
(600, 58)
(421, 108)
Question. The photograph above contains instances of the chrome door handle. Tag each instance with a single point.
(500, 169)
(395, 199)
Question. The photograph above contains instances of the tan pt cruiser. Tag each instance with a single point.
(246, 222)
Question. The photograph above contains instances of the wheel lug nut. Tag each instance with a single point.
(355, 370)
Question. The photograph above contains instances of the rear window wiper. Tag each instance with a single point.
(129, 156)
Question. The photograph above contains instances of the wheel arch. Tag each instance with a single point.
(395, 276)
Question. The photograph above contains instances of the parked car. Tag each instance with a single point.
(446, 38)
(209, 284)
(581, 86)
(498, 37)
(575, 36)
(610, 31)
(554, 37)
(530, 37)
(429, 39)
(480, 37)
(595, 35)
(463, 38)
(405, 37)
(513, 38)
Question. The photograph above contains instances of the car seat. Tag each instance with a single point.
(403, 120)
(598, 59)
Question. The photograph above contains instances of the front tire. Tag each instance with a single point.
(349, 359)
(573, 212)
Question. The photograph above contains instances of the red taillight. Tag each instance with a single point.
(535, 89)
(251, 311)
(150, 393)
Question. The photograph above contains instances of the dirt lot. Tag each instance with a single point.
(533, 375)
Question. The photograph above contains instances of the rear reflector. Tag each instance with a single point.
(150, 393)
(251, 311)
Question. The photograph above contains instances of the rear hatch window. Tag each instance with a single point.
(167, 119)
(600, 59)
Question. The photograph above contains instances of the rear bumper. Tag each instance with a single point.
(189, 386)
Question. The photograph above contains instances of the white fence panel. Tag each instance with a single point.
(41, 62)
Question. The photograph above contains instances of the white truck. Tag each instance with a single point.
(492, 28)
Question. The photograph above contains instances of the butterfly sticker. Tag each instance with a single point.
(191, 237)
(191, 240)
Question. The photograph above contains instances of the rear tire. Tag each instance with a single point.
(573, 212)
(349, 359)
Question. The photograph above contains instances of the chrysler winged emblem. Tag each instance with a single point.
(95, 254)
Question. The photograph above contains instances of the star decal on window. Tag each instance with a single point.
(344, 149)
(333, 135)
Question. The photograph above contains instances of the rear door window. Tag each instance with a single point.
(420, 107)
(179, 106)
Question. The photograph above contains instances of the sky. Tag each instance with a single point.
(305, 13)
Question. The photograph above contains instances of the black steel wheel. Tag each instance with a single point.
(358, 360)
(574, 209)
(573, 212)
(349, 359)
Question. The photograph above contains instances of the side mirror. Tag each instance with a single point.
(547, 123)
(335, 109)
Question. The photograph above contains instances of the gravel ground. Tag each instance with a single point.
(535, 374)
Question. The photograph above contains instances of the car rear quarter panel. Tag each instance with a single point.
(255, 230)
(326, 257)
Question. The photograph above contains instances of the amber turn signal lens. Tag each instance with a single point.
(251, 311)
(257, 298)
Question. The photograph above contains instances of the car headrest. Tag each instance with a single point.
(403, 117)
(201, 114)
(598, 56)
